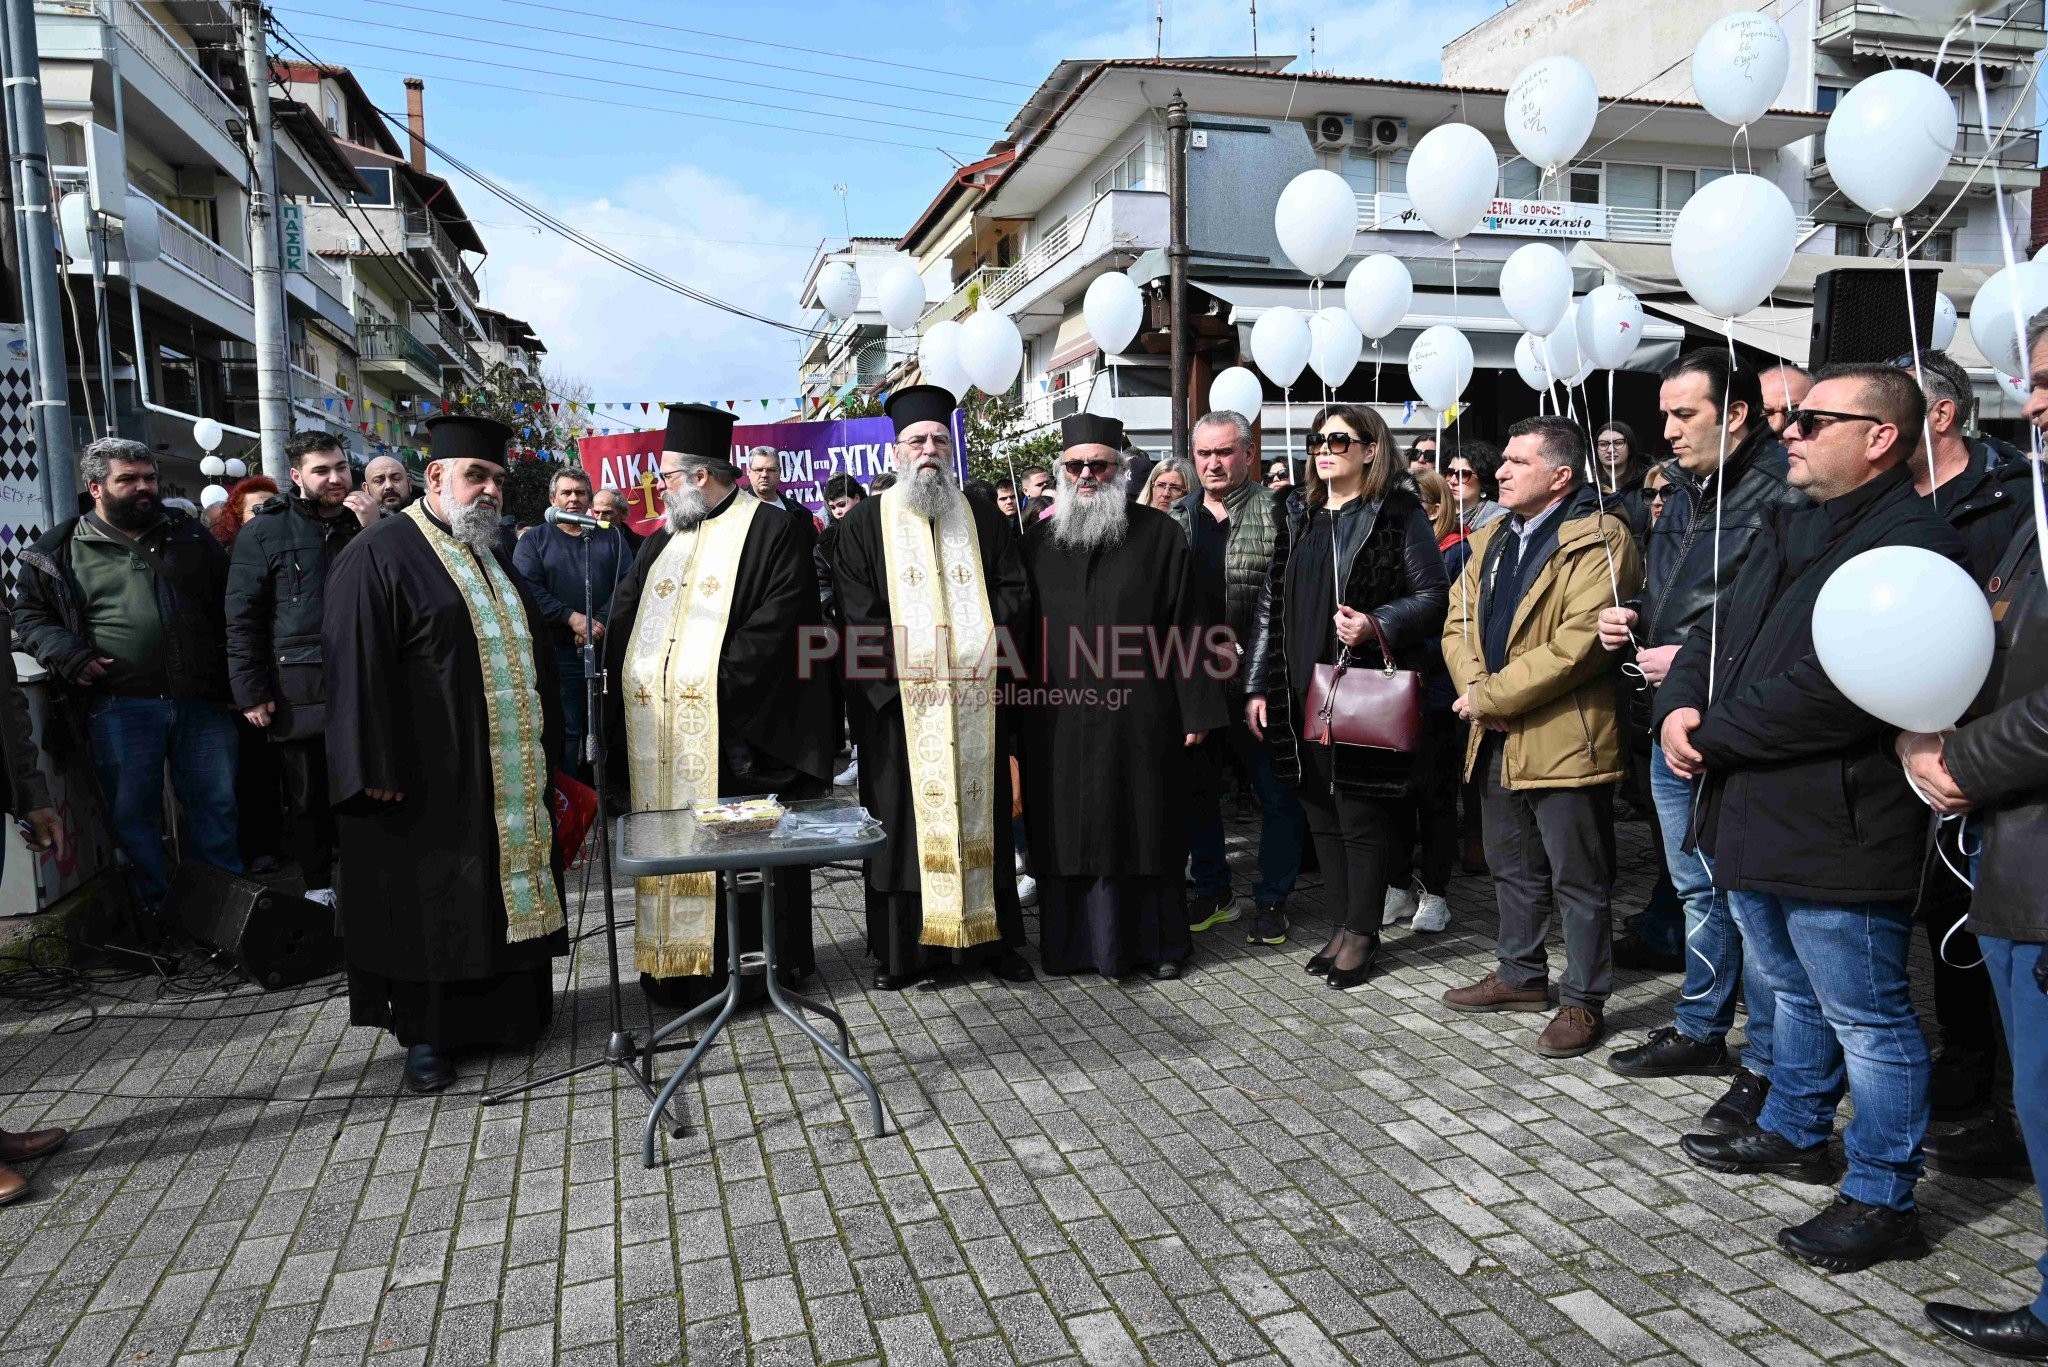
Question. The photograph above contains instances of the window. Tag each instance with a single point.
(1521, 180)
(178, 380)
(1128, 174)
(1827, 97)
(1678, 188)
(1849, 241)
(1585, 185)
(379, 179)
(1631, 187)
(1361, 171)
(1394, 174)
(333, 114)
(1939, 246)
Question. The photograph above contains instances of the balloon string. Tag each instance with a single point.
(1596, 470)
(1720, 486)
(1919, 375)
(1457, 433)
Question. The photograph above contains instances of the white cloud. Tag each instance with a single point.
(632, 340)
(1395, 38)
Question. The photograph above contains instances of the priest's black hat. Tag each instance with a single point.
(455, 436)
(699, 429)
(919, 403)
(1090, 429)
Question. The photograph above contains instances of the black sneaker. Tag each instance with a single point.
(1207, 910)
(1851, 1235)
(1754, 1150)
(1739, 1106)
(1667, 1053)
(1269, 927)
(1633, 953)
(1990, 1148)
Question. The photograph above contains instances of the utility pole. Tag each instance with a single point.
(273, 397)
(10, 240)
(36, 206)
(1177, 264)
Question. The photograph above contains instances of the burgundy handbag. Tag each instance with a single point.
(1373, 709)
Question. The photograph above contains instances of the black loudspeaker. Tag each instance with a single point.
(280, 939)
(1859, 314)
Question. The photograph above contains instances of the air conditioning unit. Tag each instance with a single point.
(1383, 133)
(1330, 132)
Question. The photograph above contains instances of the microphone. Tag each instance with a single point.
(562, 517)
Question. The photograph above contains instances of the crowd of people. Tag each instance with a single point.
(1045, 688)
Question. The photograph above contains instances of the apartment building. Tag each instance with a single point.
(859, 350)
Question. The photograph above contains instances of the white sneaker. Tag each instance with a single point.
(1027, 890)
(1432, 913)
(850, 775)
(324, 896)
(1399, 907)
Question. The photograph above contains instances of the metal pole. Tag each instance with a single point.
(10, 244)
(273, 398)
(96, 236)
(38, 238)
(1177, 264)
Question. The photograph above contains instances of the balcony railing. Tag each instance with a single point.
(312, 393)
(424, 232)
(1624, 223)
(192, 251)
(966, 296)
(2009, 149)
(394, 342)
(171, 61)
(2025, 14)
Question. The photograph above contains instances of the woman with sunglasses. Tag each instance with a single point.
(1279, 475)
(1357, 578)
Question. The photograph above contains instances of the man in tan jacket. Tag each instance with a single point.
(1523, 645)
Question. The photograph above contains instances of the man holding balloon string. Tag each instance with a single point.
(1804, 817)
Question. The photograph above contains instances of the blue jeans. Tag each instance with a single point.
(1845, 1019)
(2023, 1009)
(569, 664)
(1717, 961)
(1280, 832)
(131, 739)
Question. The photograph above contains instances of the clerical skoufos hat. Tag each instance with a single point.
(919, 403)
(1090, 429)
(699, 429)
(453, 436)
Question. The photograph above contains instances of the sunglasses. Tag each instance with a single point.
(1338, 442)
(1461, 474)
(1278, 477)
(1814, 421)
(1659, 493)
(1098, 468)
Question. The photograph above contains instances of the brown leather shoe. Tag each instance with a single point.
(13, 1185)
(1572, 1031)
(1492, 994)
(23, 1148)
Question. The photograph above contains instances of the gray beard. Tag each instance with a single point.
(929, 492)
(1086, 524)
(687, 509)
(475, 524)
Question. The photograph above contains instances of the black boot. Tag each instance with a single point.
(427, 1069)
(1755, 1150)
(1851, 1235)
(1990, 1148)
(1667, 1053)
(2006, 1333)
(1739, 1106)
(1010, 966)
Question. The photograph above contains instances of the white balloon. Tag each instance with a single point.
(1890, 139)
(1529, 362)
(1739, 67)
(1440, 365)
(1992, 312)
(1610, 326)
(1237, 390)
(1584, 373)
(211, 495)
(2040, 252)
(1378, 294)
(1114, 310)
(839, 288)
(1943, 330)
(1452, 178)
(1536, 287)
(1316, 218)
(1562, 347)
(900, 292)
(207, 433)
(236, 468)
(2013, 385)
(1280, 345)
(1903, 594)
(1550, 111)
(991, 351)
(1732, 243)
(213, 467)
(938, 358)
(1334, 345)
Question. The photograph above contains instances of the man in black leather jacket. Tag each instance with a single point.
(1711, 519)
(1996, 767)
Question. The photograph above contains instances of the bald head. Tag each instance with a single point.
(388, 483)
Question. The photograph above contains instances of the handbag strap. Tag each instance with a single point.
(1337, 583)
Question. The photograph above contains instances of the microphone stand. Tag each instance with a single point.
(620, 1049)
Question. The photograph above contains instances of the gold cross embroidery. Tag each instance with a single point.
(958, 574)
(913, 576)
(974, 790)
(690, 695)
(710, 586)
(664, 588)
(642, 696)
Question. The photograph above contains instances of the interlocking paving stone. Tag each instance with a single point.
(1241, 1167)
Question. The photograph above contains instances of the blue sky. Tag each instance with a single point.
(716, 160)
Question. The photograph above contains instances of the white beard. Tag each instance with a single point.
(474, 524)
(1086, 524)
(686, 509)
(929, 491)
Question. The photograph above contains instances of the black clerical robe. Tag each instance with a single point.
(775, 720)
(422, 915)
(1120, 675)
(894, 904)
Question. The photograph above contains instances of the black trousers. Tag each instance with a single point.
(309, 836)
(1431, 820)
(1352, 835)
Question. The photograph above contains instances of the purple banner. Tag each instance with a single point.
(813, 452)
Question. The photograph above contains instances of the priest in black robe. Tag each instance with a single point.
(444, 708)
(774, 722)
(932, 594)
(1124, 684)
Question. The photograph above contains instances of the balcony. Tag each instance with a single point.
(2015, 153)
(320, 290)
(1062, 263)
(424, 234)
(2010, 36)
(966, 296)
(1525, 218)
(333, 408)
(193, 253)
(391, 348)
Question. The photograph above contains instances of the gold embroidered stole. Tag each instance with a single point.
(671, 690)
(512, 712)
(945, 674)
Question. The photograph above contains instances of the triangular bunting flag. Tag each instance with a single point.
(557, 408)
(643, 408)
(728, 403)
(349, 405)
(330, 405)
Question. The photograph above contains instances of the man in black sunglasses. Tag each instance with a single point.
(1807, 824)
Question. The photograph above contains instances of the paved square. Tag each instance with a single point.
(1240, 1167)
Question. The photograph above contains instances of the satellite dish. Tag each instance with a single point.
(74, 221)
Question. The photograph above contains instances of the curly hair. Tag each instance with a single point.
(229, 522)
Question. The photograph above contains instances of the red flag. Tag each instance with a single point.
(728, 403)
(349, 405)
(574, 807)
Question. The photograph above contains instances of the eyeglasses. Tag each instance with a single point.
(1097, 468)
(1457, 474)
(1338, 442)
(939, 440)
(1817, 420)
(667, 475)
(1616, 444)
